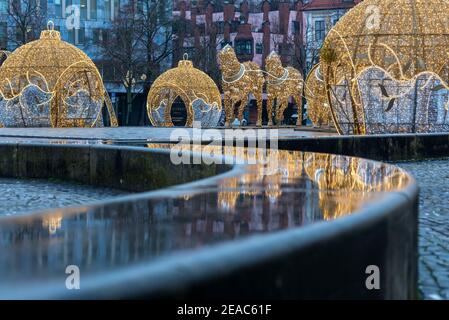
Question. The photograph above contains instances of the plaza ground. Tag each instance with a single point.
(433, 178)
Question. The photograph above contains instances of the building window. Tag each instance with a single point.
(191, 52)
(201, 28)
(58, 9)
(334, 21)
(3, 6)
(111, 9)
(97, 36)
(107, 9)
(243, 47)
(235, 26)
(71, 35)
(220, 27)
(104, 35)
(3, 36)
(259, 48)
(93, 9)
(77, 36)
(320, 30)
(296, 27)
(81, 36)
(116, 7)
(224, 43)
(83, 9)
(108, 72)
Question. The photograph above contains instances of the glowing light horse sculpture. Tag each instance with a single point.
(238, 81)
(282, 83)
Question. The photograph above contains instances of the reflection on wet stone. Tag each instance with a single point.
(305, 188)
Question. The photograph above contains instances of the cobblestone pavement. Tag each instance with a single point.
(433, 179)
(24, 195)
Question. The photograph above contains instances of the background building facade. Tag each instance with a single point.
(90, 25)
(294, 29)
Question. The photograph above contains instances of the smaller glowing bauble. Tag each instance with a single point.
(239, 80)
(196, 89)
(317, 107)
(51, 83)
(386, 67)
(282, 83)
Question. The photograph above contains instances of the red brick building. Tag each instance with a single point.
(295, 29)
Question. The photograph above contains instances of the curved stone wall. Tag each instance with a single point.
(120, 168)
(395, 147)
(308, 231)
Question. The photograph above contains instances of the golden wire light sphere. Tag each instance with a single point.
(317, 106)
(383, 60)
(196, 89)
(3, 56)
(49, 82)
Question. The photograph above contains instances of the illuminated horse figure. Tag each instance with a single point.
(282, 83)
(239, 80)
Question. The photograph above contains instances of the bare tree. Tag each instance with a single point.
(139, 40)
(156, 33)
(206, 49)
(26, 19)
(312, 47)
(303, 51)
(156, 37)
(122, 49)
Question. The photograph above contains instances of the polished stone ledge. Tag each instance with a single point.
(307, 231)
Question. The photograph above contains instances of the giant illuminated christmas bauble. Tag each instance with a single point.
(386, 67)
(196, 89)
(51, 83)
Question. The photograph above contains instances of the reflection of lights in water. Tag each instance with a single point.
(273, 192)
(53, 224)
(228, 197)
(188, 229)
(339, 179)
(201, 226)
(218, 227)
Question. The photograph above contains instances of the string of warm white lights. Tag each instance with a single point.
(250, 81)
(282, 83)
(317, 107)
